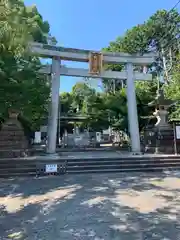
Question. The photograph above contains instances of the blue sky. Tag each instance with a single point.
(93, 24)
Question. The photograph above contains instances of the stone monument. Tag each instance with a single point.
(13, 142)
(160, 137)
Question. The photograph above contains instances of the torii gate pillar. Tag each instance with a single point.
(132, 110)
(54, 107)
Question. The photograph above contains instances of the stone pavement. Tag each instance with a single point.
(107, 206)
(91, 154)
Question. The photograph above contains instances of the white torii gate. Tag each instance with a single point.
(55, 70)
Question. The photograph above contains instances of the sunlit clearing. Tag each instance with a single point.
(15, 203)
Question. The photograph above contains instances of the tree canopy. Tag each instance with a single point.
(22, 87)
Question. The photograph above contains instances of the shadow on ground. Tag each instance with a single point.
(109, 206)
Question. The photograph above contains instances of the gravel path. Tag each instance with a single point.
(107, 206)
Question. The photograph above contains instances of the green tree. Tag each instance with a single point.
(66, 103)
(163, 29)
(172, 90)
(22, 86)
(81, 92)
(96, 112)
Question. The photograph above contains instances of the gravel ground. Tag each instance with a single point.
(92, 206)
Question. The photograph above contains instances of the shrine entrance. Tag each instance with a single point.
(96, 62)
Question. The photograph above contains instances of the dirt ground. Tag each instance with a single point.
(92, 206)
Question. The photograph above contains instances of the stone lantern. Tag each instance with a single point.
(13, 142)
(160, 137)
(161, 110)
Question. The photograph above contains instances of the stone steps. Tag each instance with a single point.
(141, 163)
(12, 167)
(117, 168)
(121, 170)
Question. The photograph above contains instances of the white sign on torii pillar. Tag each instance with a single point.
(60, 53)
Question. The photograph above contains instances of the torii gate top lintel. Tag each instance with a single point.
(82, 55)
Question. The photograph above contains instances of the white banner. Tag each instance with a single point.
(51, 168)
(177, 132)
(98, 136)
(37, 138)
